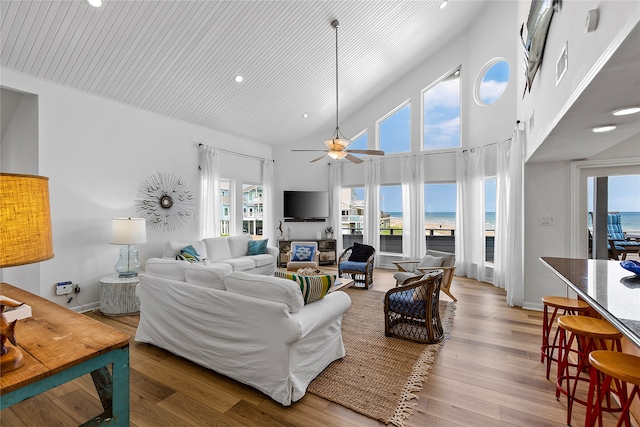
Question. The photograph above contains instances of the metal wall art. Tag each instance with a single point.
(167, 202)
(538, 23)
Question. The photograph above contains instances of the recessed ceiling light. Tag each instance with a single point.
(626, 111)
(600, 129)
(238, 79)
(305, 115)
(443, 4)
(94, 3)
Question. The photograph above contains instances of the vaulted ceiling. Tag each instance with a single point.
(179, 58)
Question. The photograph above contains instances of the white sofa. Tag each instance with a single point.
(232, 250)
(254, 329)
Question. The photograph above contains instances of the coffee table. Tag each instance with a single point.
(341, 284)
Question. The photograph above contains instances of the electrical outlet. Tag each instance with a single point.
(64, 288)
(548, 220)
(76, 288)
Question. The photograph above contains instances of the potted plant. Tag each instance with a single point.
(329, 232)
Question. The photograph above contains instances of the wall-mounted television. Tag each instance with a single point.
(306, 205)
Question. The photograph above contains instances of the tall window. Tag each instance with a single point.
(252, 209)
(440, 215)
(489, 217)
(225, 208)
(359, 143)
(352, 213)
(394, 130)
(441, 106)
(391, 218)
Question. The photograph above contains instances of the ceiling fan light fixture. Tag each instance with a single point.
(337, 155)
(94, 3)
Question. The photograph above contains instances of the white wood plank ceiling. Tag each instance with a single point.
(179, 58)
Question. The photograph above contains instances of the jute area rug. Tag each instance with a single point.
(379, 375)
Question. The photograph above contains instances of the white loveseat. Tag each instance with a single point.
(254, 329)
(232, 250)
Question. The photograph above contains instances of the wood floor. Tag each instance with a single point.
(487, 374)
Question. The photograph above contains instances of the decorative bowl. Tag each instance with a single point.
(631, 265)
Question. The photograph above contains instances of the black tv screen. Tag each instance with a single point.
(306, 204)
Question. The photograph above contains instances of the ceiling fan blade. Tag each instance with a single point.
(354, 159)
(371, 152)
(315, 160)
(311, 150)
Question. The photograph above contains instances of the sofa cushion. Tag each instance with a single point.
(260, 260)
(266, 287)
(211, 276)
(240, 264)
(168, 268)
(313, 288)
(430, 261)
(239, 245)
(173, 247)
(257, 247)
(217, 248)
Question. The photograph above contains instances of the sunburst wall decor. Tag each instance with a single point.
(167, 202)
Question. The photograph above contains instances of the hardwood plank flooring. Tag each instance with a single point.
(487, 374)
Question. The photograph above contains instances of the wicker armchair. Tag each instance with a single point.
(412, 310)
(360, 271)
(414, 268)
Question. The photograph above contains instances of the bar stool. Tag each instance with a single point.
(569, 306)
(608, 367)
(589, 334)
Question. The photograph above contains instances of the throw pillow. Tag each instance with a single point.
(430, 261)
(303, 253)
(420, 293)
(258, 247)
(313, 288)
(188, 253)
(360, 253)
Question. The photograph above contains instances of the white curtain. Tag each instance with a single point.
(335, 180)
(413, 236)
(509, 240)
(209, 207)
(470, 233)
(371, 221)
(268, 223)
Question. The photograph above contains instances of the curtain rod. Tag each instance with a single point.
(234, 152)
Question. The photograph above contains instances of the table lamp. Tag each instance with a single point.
(128, 231)
(25, 238)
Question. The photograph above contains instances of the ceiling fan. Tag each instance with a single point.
(337, 144)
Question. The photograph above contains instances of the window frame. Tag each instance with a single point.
(422, 109)
(388, 115)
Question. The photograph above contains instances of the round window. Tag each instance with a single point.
(492, 81)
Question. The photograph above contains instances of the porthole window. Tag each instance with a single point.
(492, 81)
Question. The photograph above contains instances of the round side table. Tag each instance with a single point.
(118, 296)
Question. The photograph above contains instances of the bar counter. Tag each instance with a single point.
(607, 287)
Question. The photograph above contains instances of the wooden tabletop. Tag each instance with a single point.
(54, 339)
(607, 287)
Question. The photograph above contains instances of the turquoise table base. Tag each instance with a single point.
(113, 389)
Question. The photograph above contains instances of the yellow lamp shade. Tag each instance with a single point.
(25, 220)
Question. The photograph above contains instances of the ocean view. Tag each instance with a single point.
(630, 220)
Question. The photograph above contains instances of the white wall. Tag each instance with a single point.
(96, 154)
(482, 125)
(548, 185)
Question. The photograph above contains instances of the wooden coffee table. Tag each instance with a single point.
(60, 345)
(344, 284)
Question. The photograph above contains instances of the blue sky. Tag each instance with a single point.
(624, 193)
